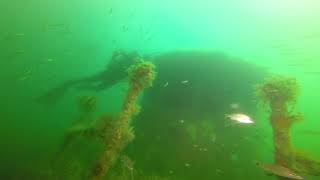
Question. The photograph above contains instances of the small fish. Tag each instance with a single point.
(110, 11)
(149, 37)
(61, 27)
(20, 51)
(234, 106)
(311, 36)
(23, 78)
(213, 138)
(127, 162)
(16, 54)
(218, 171)
(25, 75)
(310, 132)
(14, 36)
(184, 82)
(272, 90)
(234, 157)
(19, 34)
(279, 170)
(203, 149)
(67, 52)
(166, 84)
(312, 72)
(181, 121)
(125, 28)
(50, 60)
(195, 145)
(27, 72)
(296, 64)
(241, 118)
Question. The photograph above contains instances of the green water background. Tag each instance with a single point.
(44, 43)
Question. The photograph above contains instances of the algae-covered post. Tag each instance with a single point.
(120, 133)
(280, 94)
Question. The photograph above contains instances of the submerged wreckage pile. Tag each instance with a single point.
(279, 94)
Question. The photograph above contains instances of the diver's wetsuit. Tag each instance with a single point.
(114, 73)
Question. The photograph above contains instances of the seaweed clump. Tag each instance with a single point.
(116, 132)
(278, 91)
(280, 94)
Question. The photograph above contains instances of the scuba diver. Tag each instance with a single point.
(114, 72)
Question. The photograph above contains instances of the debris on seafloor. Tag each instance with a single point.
(279, 170)
(240, 118)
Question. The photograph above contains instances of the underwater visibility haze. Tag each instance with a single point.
(160, 90)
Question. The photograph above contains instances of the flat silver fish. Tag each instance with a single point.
(279, 170)
(240, 118)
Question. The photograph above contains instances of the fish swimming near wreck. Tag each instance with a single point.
(279, 170)
(240, 118)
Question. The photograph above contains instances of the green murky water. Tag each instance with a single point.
(208, 55)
